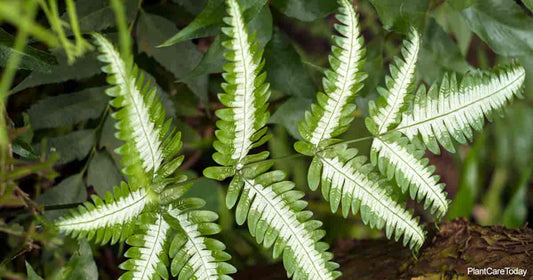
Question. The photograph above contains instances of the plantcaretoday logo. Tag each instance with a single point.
(490, 271)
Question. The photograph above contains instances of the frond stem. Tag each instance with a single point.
(291, 156)
(356, 140)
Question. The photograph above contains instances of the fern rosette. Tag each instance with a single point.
(148, 212)
(401, 129)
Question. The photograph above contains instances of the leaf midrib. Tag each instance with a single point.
(346, 78)
(107, 214)
(372, 195)
(126, 79)
(278, 213)
(443, 203)
(461, 107)
(410, 66)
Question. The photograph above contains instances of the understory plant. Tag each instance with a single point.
(147, 212)
(166, 231)
(402, 123)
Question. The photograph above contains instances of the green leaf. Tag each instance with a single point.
(108, 139)
(211, 62)
(22, 144)
(69, 108)
(209, 191)
(503, 25)
(31, 59)
(374, 68)
(179, 59)
(189, 134)
(515, 214)
(469, 183)
(453, 22)
(439, 54)
(461, 4)
(261, 23)
(286, 72)
(97, 15)
(166, 99)
(192, 6)
(528, 4)
(70, 190)
(219, 172)
(32, 275)
(23, 149)
(213, 59)
(305, 10)
(513, 137)
(209, 21)
(84, 67)
(75, 145)
(290, 113)
(305, 148)
(102, 173)
(401, 15)
(81, 265)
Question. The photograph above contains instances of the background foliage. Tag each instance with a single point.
(62, 143)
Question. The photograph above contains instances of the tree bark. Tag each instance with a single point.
(456, 246)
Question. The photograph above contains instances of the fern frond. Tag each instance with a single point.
(393, 99)
(112, 219)
(334, 111)
(452, 111)
(348, 181)
(151, 142)
(148, 257)
(193, 255)
(273, 210)
(245, 94)
(397, 158)
(275, 217)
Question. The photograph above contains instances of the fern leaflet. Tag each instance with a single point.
(334, 111)
(453, 110)
(149, 157)
(150, 141)
(193, 255)
(275, 217)
(109, 220)
(245, 94)
(148, 254)
(348, 181)
(397, 158)
(393, 99)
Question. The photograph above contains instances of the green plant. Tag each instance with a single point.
(268, 203)
(146, 212)
(445, 111)
(346, 178)
(138, 151)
